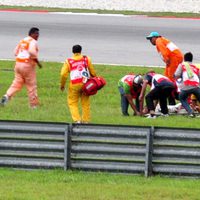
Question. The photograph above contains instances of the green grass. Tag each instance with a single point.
(60, 185)
(105, 106)
(129, 12)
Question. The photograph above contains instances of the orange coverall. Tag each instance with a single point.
(75, 91)
(170, 54)
(25, 70)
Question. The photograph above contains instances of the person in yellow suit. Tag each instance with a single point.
(80, 68)
(26, 56)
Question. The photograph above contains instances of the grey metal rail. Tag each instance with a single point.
(128, 149)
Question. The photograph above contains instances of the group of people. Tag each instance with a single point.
(181, 81)
(80, 68)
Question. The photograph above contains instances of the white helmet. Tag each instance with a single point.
(138, 79)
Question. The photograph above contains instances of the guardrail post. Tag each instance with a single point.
(149, 152)
(67, 147)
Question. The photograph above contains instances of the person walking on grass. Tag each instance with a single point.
(190, 75)
(78, 67)
(26, 56)
(129, 88)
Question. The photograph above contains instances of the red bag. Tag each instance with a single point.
(93, 85)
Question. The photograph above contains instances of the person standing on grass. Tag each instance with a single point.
(26, 54)
(190, 75)
(161, 88)
(77, 66)
(170, 54)
(129, 88)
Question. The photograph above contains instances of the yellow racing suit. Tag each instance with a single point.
(75, 66)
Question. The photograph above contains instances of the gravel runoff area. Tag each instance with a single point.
(135, 5)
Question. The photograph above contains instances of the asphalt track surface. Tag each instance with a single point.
(106, 38)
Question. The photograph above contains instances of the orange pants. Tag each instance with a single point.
(171, 68)
(74, 95)
(25, 74)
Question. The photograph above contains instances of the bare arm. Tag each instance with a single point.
(178, 72)
(142, 93)
(38, 63)
(130, 100)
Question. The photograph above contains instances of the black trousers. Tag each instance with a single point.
(161, 94)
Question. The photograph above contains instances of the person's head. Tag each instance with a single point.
(149, 75)
(76, 49)
(153, 37)
(34, 33)
(150, 72)
(138, 80)
(188, 57)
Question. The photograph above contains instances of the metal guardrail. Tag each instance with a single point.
(32, 145)
(128, 149)
(176, 151)
(108, 148)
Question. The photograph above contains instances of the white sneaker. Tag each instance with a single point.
(164, 115)
(151, 117)
(192, 115)
(4, 100)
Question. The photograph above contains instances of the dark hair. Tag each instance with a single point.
(150, 72)
(33, 30)
(188, 57)
(77, 48)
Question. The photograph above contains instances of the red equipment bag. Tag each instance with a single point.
(93, 85)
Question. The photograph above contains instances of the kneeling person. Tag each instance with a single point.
(190, 74)
(161, 89)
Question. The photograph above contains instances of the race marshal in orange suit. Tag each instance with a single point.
(26, 56)
(169, 52)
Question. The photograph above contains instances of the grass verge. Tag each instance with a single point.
(74, 185)
(105, 106)
(128, 12)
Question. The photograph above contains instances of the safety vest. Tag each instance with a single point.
(78, 68)
(190, 75)
(160, 80)
(135, 90)
(169, 50)
(22, 54)
(128, 79)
